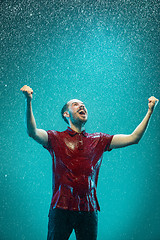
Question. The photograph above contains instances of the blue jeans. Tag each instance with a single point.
(62, 222)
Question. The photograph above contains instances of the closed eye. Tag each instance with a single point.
(75, 103)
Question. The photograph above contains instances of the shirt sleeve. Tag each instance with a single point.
(106, 139)
(51, 139)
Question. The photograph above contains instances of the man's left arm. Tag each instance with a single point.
(122, 140)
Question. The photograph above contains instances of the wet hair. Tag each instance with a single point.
(65, 108)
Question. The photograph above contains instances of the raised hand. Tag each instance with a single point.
(27, 91)
(152, 102)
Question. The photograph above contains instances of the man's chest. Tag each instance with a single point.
(77, 153)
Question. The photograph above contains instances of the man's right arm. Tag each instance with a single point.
(39, 135)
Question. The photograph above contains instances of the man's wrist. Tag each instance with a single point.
(28, 99)
(150, 111)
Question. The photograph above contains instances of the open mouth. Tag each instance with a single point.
(81, 112)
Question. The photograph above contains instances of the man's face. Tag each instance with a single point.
(77, 111)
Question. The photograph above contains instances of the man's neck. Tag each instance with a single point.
(78, 129)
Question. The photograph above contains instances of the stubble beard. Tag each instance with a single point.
(78, 121)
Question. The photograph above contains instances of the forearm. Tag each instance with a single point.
(29, 118)
(140, 130)
(123, 140)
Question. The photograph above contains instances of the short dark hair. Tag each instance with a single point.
(65, 108)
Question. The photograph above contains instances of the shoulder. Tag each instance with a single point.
(54, 133)
(92, 135)
(54, 137)
(101, 137)
(97, 134)
(51, 132)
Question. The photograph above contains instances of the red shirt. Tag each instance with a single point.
(76, 161)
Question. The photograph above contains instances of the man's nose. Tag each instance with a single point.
(82, 106)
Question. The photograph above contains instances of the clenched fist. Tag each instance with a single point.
(152, 103)
(27, 91)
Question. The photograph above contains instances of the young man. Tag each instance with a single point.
(77, 157)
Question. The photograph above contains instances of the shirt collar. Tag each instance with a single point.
(73, 133)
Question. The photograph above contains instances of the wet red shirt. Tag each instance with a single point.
(76, 160)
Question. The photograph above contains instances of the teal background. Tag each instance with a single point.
(105, 53)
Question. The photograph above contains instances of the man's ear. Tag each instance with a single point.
(66, 114)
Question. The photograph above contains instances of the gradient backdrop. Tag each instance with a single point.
(105, 53)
